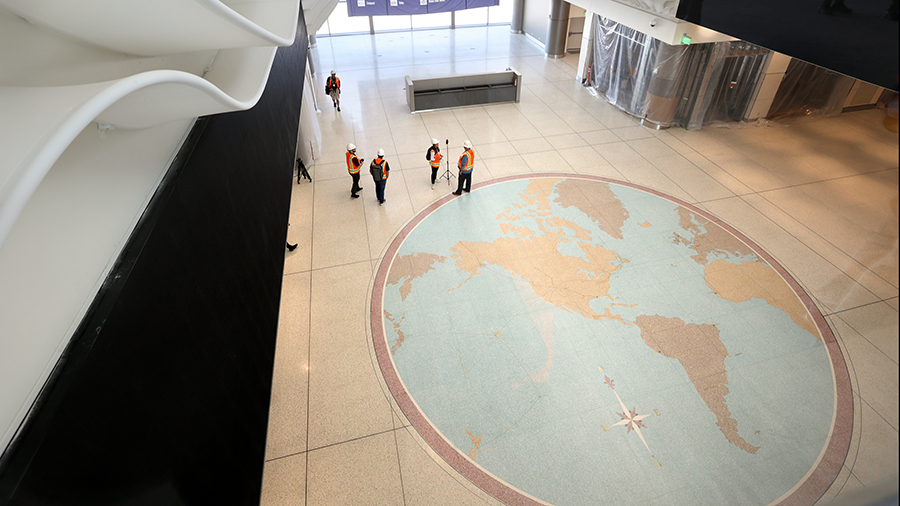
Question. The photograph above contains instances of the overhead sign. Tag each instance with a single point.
(367, 8)
(407, 7)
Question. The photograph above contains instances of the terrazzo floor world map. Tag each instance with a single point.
(588, 342)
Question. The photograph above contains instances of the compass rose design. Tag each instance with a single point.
(630, 419)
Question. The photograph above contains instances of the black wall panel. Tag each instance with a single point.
(162, 397)
(863, 44)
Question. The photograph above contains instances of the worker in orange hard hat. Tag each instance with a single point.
(380, 169)
(353, 164)
(333, 89)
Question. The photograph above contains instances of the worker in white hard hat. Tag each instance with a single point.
(433, 155)
(466, 163)
(380, 169)
(353, 164)
(333, 89)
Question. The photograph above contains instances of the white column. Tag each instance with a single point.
(587, 46)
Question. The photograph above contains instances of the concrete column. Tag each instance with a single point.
(518, 17)
(559, 29)
(312, 40)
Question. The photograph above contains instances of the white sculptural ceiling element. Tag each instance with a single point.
(95, 98)
(665, 8)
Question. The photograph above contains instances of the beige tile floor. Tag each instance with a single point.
(821, 197)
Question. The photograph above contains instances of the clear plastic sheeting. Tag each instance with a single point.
(704, 71)
(623, 63)
(699, 85)
(809, 92)
(685, 85)
(724, 93)
(666, 84)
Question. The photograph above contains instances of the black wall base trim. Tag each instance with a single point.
(162, 396)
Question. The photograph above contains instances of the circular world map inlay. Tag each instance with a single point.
(581, 341)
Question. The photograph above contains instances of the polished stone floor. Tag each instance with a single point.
(820, 197)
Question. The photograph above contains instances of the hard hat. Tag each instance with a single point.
(467, 144)
(434, 141)
(351, 147)
(332, 72)
(380, 152)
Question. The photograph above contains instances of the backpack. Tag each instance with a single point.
(428, 154)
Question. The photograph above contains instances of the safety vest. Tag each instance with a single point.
(378, 165)
(469, 155)
(333, 81)
(352, 168)
(435, 160)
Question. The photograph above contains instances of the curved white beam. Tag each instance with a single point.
(51, 117)
(156, 27)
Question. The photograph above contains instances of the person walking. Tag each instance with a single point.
(353, 164)
(333, 89)
(465, 164)
(433, 155)
(380, 169)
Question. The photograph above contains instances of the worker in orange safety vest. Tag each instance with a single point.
(333, 89)
(465, 164)
(380, 170)
(353, 164)
(433, 155)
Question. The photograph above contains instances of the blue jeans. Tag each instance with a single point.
(379, 190)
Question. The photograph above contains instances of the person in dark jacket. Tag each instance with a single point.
(380, 169)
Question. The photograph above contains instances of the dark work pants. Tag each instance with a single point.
(434, 174)
(379, 190)
(356, 187)
(464, 177)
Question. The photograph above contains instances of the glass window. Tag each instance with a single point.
(340, 23)
(470, 17)
(391, 23)
(501, 14)
(436, 20)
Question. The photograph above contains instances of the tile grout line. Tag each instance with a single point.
(816, 234)
(330, 445)
(374, 272)
(759, 193)
(399, 464)
(862, 335)
(889, 424)
(799, 241)
(309, 337)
